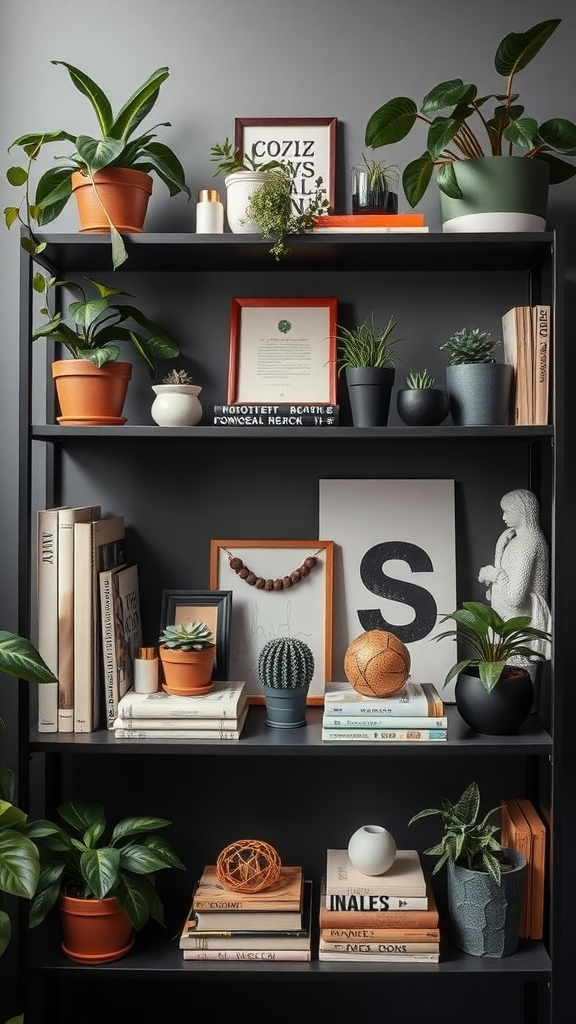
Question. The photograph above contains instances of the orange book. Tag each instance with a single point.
(517, 836)
(285, 894)
(380, 934)
(370, 220)
(429, 918)
(538, 830)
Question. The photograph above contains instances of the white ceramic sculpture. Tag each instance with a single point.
(517, 582)
(372, 849)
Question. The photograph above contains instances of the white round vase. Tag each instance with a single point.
(372, 850)
(239, 187)
(176, 405)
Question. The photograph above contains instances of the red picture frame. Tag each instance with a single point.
(282, 350)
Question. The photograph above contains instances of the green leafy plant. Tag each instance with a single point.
(187, 636)
(177, 377)
(230, 159)
(367, 344)
(19, 857)
(470, 346)
(100, 324)
(452, 110)
(492, 640)
(273, 208)
(116, 147)
(465, 840)
(85, 859)
(420, 380)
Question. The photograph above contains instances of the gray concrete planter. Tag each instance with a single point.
(484, 916)
(479, 393)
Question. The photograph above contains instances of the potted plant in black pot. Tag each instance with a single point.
(485, 880)
(367, 354)
(492, 696)
(494, 166)
(478, 386)
(421, 403)
(110, 176)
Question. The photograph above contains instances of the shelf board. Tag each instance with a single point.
(439, 252)
(258, 739)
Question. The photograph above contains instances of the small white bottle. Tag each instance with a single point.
(146, 670)
(209, 212)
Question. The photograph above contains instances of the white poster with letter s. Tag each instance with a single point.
(394, 567)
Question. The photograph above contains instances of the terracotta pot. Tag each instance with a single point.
(91, 395)
(124, 194)
(187, 673)
(95, 931)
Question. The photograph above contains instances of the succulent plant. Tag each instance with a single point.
(420, 380)
(285, 663)
(177, 377)
(187, 636)
(470, 346)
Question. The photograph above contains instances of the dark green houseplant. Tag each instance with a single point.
(116, 147)
(273, 208)
(463, 125)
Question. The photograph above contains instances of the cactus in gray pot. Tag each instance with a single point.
(285, 663)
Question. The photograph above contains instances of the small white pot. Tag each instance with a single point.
(372, 850)
(239, 187)
(176, 405)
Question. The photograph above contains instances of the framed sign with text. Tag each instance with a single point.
(307, 143)
(282, 350)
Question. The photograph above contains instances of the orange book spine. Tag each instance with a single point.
(383, 220)
(380, 934)
(388, 919)
(515, 834)
(538, 830)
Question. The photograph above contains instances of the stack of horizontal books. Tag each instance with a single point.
(218, 715)
(416, 712)
(389, 918)
(265, 926)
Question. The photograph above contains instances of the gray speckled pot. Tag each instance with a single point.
(485, 917)
(479, 393)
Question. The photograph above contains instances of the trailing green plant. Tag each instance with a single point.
(81, 857)
(230, 159)
(367, 344)
(470, 346)
(285, 663)
(452, 110)
(100, 324)
(465, 840)
(277, 213)
(420, 380)
(492, 641)
(116, 147)
(187, 636)
(177, 377)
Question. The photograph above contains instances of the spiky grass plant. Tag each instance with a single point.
(420, 380)
(367, 344)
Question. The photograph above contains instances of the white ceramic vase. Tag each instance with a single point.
(372, 850)
(239, 187)
(176, 405)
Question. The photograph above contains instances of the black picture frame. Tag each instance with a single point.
(211, 606)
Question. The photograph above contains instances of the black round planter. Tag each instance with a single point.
(500, 712)
(370, 392)
(422, 407)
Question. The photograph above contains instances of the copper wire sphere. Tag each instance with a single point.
(248, 865)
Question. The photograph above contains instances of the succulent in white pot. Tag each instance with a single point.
(176, 403)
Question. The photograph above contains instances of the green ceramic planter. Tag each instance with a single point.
(500, 193)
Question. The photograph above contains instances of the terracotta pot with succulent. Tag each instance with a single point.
(374, 187)
(285, 670)
(493, 696)
(485, 880)
(367, 354)
(176, 403)
(187, 653)
(479, 388)
(493, 179)
(103, 173)
(421, 403)
(101, 878)
(91, 387)
(243, 175)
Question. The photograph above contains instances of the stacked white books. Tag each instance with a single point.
(271, 925)
(217, 715)
(415, 713)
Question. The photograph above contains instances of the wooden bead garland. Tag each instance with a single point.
(248, 865)
(280, 583)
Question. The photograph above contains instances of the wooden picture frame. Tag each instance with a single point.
(214, 607)
(308, 143)
(304, 610)
(282, 350)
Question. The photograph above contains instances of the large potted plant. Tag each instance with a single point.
(485, 880)
(367, 354)
(91, 387)
(187, 652)
(101, 878)
(478, 386)
(492, 696)
(493, 166)
(285, 670)
(110, 176)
